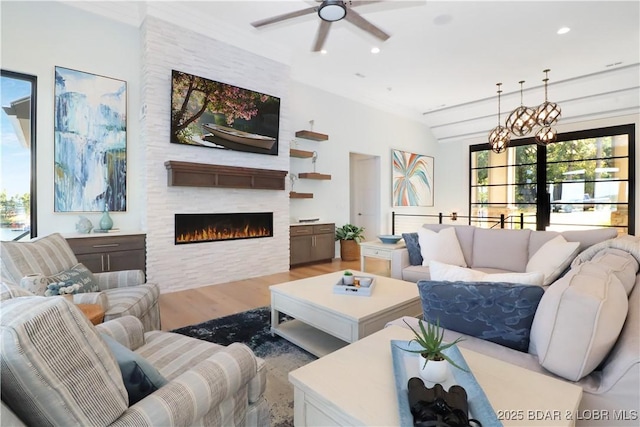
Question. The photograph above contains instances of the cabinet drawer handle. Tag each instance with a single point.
(107, 245)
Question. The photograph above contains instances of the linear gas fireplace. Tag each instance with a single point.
(198, 228)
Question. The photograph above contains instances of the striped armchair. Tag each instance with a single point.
(57, 370)
(121, 293)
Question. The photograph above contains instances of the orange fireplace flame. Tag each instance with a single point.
(213, 233)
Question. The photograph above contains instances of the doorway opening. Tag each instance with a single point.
(364, 193)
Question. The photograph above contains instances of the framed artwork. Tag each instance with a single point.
(412, 179)
(209, 113)
(90, 142)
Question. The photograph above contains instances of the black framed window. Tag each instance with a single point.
(585, 179)
(18, 171)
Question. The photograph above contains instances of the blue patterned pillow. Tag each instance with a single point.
(411, 240)
(498, 312)
(140, 377)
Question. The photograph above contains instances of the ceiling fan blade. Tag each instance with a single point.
(356, 19)
(284, 16)
(357, 3)
(321, 37)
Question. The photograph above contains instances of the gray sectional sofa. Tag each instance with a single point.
(494, 250)
(586, 327)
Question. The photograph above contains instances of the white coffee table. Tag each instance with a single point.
(325, 322)
(355, 386)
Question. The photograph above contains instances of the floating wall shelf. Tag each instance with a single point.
(301, 154)
(294, 195)
(314, 136)
(313, 175)
(187, 174)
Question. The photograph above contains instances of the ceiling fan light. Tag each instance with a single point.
(332, 10)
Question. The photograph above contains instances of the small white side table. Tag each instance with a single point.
(378, 250)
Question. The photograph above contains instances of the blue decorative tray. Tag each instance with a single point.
(405, 366)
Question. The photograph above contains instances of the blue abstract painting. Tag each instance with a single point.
(90, 151)
(412, 179)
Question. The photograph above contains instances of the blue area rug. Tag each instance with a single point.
(253, 329)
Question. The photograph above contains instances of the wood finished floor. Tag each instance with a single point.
(183, 308)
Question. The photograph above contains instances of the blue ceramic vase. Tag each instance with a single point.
(106, 222)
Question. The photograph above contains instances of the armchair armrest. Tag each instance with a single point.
(127, 330)
(119, 279)
(399, 261)
(99, 298)
(192, 395)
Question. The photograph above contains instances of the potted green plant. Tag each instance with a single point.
(347, 278)
(349, 236)
(432, 362)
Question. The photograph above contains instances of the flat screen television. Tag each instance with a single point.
(213, 114)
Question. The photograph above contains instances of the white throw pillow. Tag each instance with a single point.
(553, 258)
(443, 247)
(578, 321)
(534, 278)
(453, 273)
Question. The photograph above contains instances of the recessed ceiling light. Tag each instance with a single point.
(564, 30)
(375, 50)
(323, 51)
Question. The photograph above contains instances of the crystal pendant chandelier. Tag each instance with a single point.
(522, 120)
(547, 114)
(499, 137)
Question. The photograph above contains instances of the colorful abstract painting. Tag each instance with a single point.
(412, 179)
(90, 151)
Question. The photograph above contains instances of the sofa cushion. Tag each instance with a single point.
(464, 233)
(413, 247)
(139, 376)
(453, 273)
(578, 321)
(56, 370)
(47, 256)
(504, 249)
(620, 263)
(77, 274)
(590, 237)
(440, 246)
(553, 258)
(498, 312)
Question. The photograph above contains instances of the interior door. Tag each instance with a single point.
(365, 193)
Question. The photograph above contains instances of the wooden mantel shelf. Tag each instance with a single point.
(187, 174)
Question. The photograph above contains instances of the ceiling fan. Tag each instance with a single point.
(330, 11)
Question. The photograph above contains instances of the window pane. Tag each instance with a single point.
(587, 180)
(15, 187)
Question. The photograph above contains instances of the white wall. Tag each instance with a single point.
(36, 37)
(165, 47)
(357, 128)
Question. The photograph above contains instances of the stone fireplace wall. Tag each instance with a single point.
(173, 267)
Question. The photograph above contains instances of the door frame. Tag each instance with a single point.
(356, 185)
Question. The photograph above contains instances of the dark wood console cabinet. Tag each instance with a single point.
(111, 252)
(311, 243)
